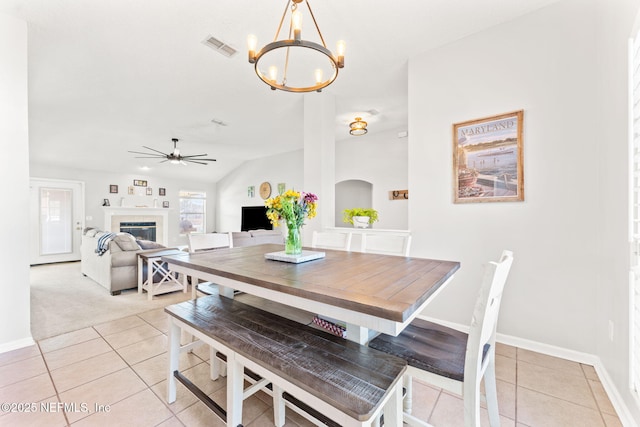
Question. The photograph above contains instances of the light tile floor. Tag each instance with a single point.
(114, 374)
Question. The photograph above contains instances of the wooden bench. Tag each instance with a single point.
(349, 383)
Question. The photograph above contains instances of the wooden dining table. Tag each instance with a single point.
(370, 293)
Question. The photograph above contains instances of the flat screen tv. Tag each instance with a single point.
(255, 218)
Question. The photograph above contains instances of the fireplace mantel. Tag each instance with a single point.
(114, 215)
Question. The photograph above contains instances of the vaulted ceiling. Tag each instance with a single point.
(106, 77)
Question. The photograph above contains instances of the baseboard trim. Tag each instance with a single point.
(626, 417)
(15, 345)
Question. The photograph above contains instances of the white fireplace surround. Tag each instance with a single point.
(113, 216)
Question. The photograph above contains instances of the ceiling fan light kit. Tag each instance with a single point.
(174, 157)
(288, 82)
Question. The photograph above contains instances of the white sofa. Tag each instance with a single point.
(117, 268)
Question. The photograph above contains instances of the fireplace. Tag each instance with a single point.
(114, 216)
(142, 230)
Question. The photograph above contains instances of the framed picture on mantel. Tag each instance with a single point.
(488, 160)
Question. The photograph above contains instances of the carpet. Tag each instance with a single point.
(63, 300)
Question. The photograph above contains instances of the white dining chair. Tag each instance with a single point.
(453, 360)
(202, 242)
(331, 240)
(386, 243)
(199, 242)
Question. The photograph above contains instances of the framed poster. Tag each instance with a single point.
(140, 183)
(162, 191)
(113, 189)
(488, 159)
(149, 191)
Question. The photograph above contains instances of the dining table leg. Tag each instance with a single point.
(225, 291)
(357, 333)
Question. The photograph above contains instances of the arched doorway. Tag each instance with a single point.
(352, 193)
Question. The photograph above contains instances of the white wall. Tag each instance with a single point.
(97, 188)
(381, 159)
(14, 173)
(232, 189)
(565, 66)
(543, 63)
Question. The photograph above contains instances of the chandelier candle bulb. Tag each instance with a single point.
(273, 75)
(319, 75)
(340, 52)
(252, 43)
(296, 23)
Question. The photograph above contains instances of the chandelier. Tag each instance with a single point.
(305, 64)
(358, 127)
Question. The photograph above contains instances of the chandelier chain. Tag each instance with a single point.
(316, 24)
(294, 7)
(275, 38)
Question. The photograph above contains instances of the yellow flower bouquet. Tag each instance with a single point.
(292, 207)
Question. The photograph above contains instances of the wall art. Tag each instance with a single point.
(488, 159)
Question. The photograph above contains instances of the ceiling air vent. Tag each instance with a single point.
(220, 46)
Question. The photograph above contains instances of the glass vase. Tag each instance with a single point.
(293, 243)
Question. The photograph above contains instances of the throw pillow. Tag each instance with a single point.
(126, 242)
(92, 232)
(148, 244)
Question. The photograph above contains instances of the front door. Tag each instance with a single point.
(56, 217)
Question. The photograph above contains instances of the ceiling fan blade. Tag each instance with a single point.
(153, 149)
(151, 157)
(147, 154)
(195, 155)
(192, 158)
(195, 161)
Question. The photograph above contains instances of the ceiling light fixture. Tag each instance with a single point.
(358, 128)
(297, 76)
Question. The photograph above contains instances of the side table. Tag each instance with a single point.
(168, 281)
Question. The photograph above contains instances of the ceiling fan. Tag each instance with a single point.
(174, 157)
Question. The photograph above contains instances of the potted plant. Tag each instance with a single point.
(360, 217)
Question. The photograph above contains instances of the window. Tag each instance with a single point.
(193, 211)
(634, 208)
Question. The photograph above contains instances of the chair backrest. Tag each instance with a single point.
(331, 240)
(386, 243)
(207, 241)
(482, 332)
